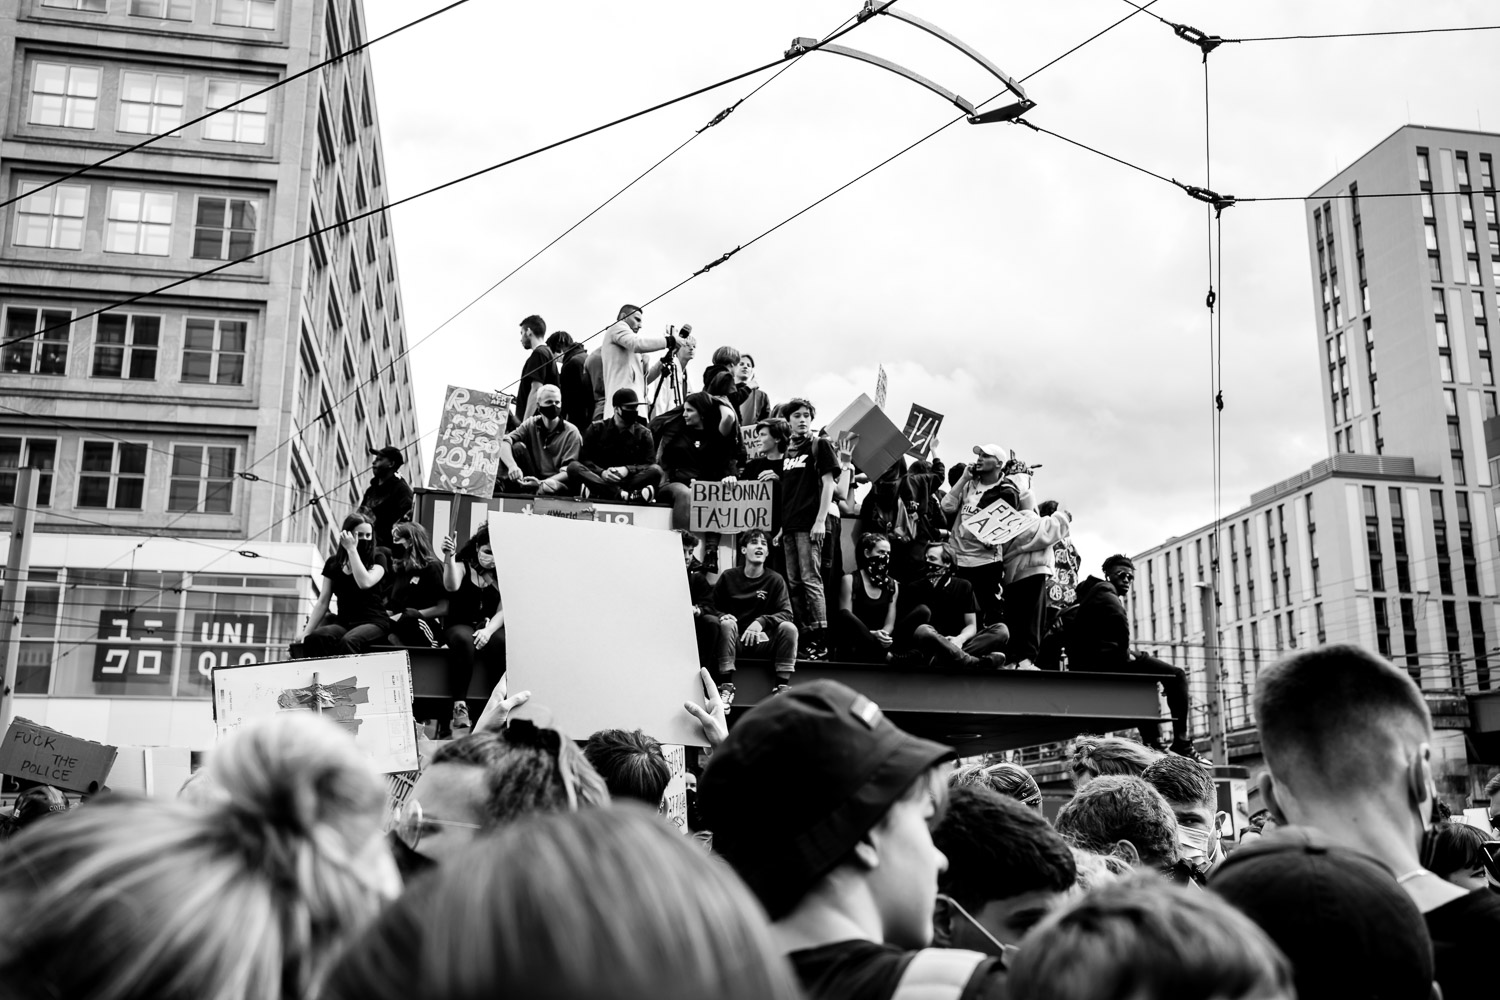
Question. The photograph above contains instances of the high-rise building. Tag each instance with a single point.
(199, 444)
(1391, 541)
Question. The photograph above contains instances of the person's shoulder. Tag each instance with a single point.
(1475, 914)
(850, 970)
(331, 565)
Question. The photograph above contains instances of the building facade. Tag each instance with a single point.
(197, 445)
(1391, 542)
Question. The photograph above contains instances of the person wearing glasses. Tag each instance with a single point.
(1098, 641)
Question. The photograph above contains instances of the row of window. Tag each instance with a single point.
(135, 221)
(68, 96)
(259, 14)
(126, 345)
(112, 474)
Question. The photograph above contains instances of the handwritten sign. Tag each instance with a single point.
(468, 445)
(674, 798)
(38, 753)
(732, 507)
(880, 386)
(998, 523)
(136, 647)
(921, 428)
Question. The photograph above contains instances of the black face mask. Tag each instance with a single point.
(938, 573)
(366, 550)
(550, 412)
(879, 568)
(400, 551)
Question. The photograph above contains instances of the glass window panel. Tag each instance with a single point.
(231, 369)
(187, 460)
(143, 363)
(133, 458)
(197, 366)
(156, 240)
(208, 243)
(171, 90)
(129, 492)
(98, 456)
(242, 214)
(232, 335)
(71, 200)
(211, 212)
(241, 244)
(125, 206)
(50, 79)
(182, 494)
(135, 118)
(146, 330)
(83, 82)
(221, 462)
(252, 128)
(111, 329)
(139, 87)
(109, 362)
(200, 335)
(157, 207)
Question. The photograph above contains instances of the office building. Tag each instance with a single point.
(200, 444)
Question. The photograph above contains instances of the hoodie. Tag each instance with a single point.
(1098, 637)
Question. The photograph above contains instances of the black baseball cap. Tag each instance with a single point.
(801, 778)
(392, 453)
(1347, 926)
(624, 396)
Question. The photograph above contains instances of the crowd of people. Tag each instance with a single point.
(832, 856)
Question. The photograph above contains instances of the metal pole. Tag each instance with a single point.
(13, 596)
(1218, 752)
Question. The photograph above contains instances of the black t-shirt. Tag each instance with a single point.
(864, 970)
(948, 601)
(540, 369)
(415, 588)
(357, 606)
(802, 471)
(1464, 933)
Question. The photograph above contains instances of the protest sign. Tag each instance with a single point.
(674, 797)
(730, 508)
(921, 430)
(368, 695)
(881, 443)
(629, 658)
(467, 458)
(38, 753)
(998, 523)
(880, 386)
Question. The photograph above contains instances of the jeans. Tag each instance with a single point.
(462, 655)
(804, 579)
(988, 582)
(1025, 601)
(854, 642)
(636, 478)
(781, 647)
(336, 640)
(1173, 683)
(413, 632)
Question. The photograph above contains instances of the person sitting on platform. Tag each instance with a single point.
(618, 453)
(755, 616)
(476, 622)
(353, 575)
(864, 626)
(944, 603)
(416, 600)
(536, 454)
(706, 617)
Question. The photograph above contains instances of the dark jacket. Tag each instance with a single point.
(1098, 636)
(606, 445)
(389, 503)
(577, 387)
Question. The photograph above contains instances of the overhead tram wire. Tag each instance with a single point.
(1187, 32)
(80, 171)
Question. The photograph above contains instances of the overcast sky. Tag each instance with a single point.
(1041, 297)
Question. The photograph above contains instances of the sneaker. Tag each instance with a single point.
(997, 660)
(647, 494)
(726, 693)
(813, 649)
(460, 725)
(908, 659)
(1185, 748)
(778, 689)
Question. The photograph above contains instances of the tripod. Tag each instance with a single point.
(668, 373)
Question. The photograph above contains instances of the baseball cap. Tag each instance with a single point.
(392, 453)
(801, 778)
(624, 396)
(994, 451)
(1340, 916)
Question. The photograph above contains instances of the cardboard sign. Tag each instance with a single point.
(674, 798)
(568, 507)
(881, 443)
(998, 523)
(136, 647)
(730, 508)
(880, 385)
(631, 659)
(467, 458)
(921, 428)
(38, 753)
(369, 696)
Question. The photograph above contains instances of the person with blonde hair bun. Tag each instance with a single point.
(599, 904)
(247, 896)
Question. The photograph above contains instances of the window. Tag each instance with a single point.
(1434, 266)
(242, 123)
(139, 222)
(93, 6)
(374, 171)
(1466, 544)
(44, 351)
(225, 228)
(125, 346)
(331, 31)
(355, 282)
(1372, 539)
(1486, 172)
(246, 13)
(1450, 401)
(1445, 367)
(52, 218)
(370, 249)
(171, 10)
(340, 211)
(37, 453)
(361, 199)
(202, 479)
(151, 103)
(366, 112)
(1382, 627)
(1424, 169)
(351, 131)
(1461, 167)
(65, 96)
(1481, 647)
(1430, 229)
(1398, 533)
(112, 474)
(1440, 542)
(1318, 617)
(1490, 408)
(213, 350)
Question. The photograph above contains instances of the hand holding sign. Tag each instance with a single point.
(847, 442)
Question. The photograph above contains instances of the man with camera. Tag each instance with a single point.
(974, 560)
(622, 342)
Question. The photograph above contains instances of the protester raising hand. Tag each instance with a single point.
(497, 711)
(713, 718)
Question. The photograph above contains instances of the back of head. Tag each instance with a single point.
(1097, 870)
(998, 849)
(1182, 782)
(1113, 808)
(243, 898)
(1453, 847)
(1002, 777)
(631, 764)
(1338, 721)
(606, 903)
(1145, 938)
(528, 768)
(559, 342)
(1091, 756)
(1347, 926)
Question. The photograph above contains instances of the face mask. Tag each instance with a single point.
(879, 567)
(938, 571)
(366, 549)
(1198, 845)
(628, 414)
(400, 550)
(550, 412)
(487, 561)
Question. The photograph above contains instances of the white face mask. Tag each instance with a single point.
(1199, 845)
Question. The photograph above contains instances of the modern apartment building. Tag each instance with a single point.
(1391, 542)
(198, 445)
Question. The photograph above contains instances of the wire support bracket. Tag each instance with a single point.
(715, 263)
(1208, 197)
(1204, 41)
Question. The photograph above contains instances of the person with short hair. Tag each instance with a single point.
(621, 344)
(807, 473)
(1091, 756)
(950, 632)
(540, 368)
(822, 805)
(756, 405)
(1189, 790)
(1004, 778)
(1098, 641)
(981, 564)
(1123, 816)
(755, 616)
(618, 455)
(534, 457)
(1007, 869)
(1141, 939)
(573, 379)
(388, 498)
(1347, 739)
(353, 575)
(631, 764)
(605, 904)
(1455, 851)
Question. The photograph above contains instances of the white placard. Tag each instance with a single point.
(598, 626)
(368, 695)
(996, 524)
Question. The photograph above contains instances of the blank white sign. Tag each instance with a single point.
(598, 625)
